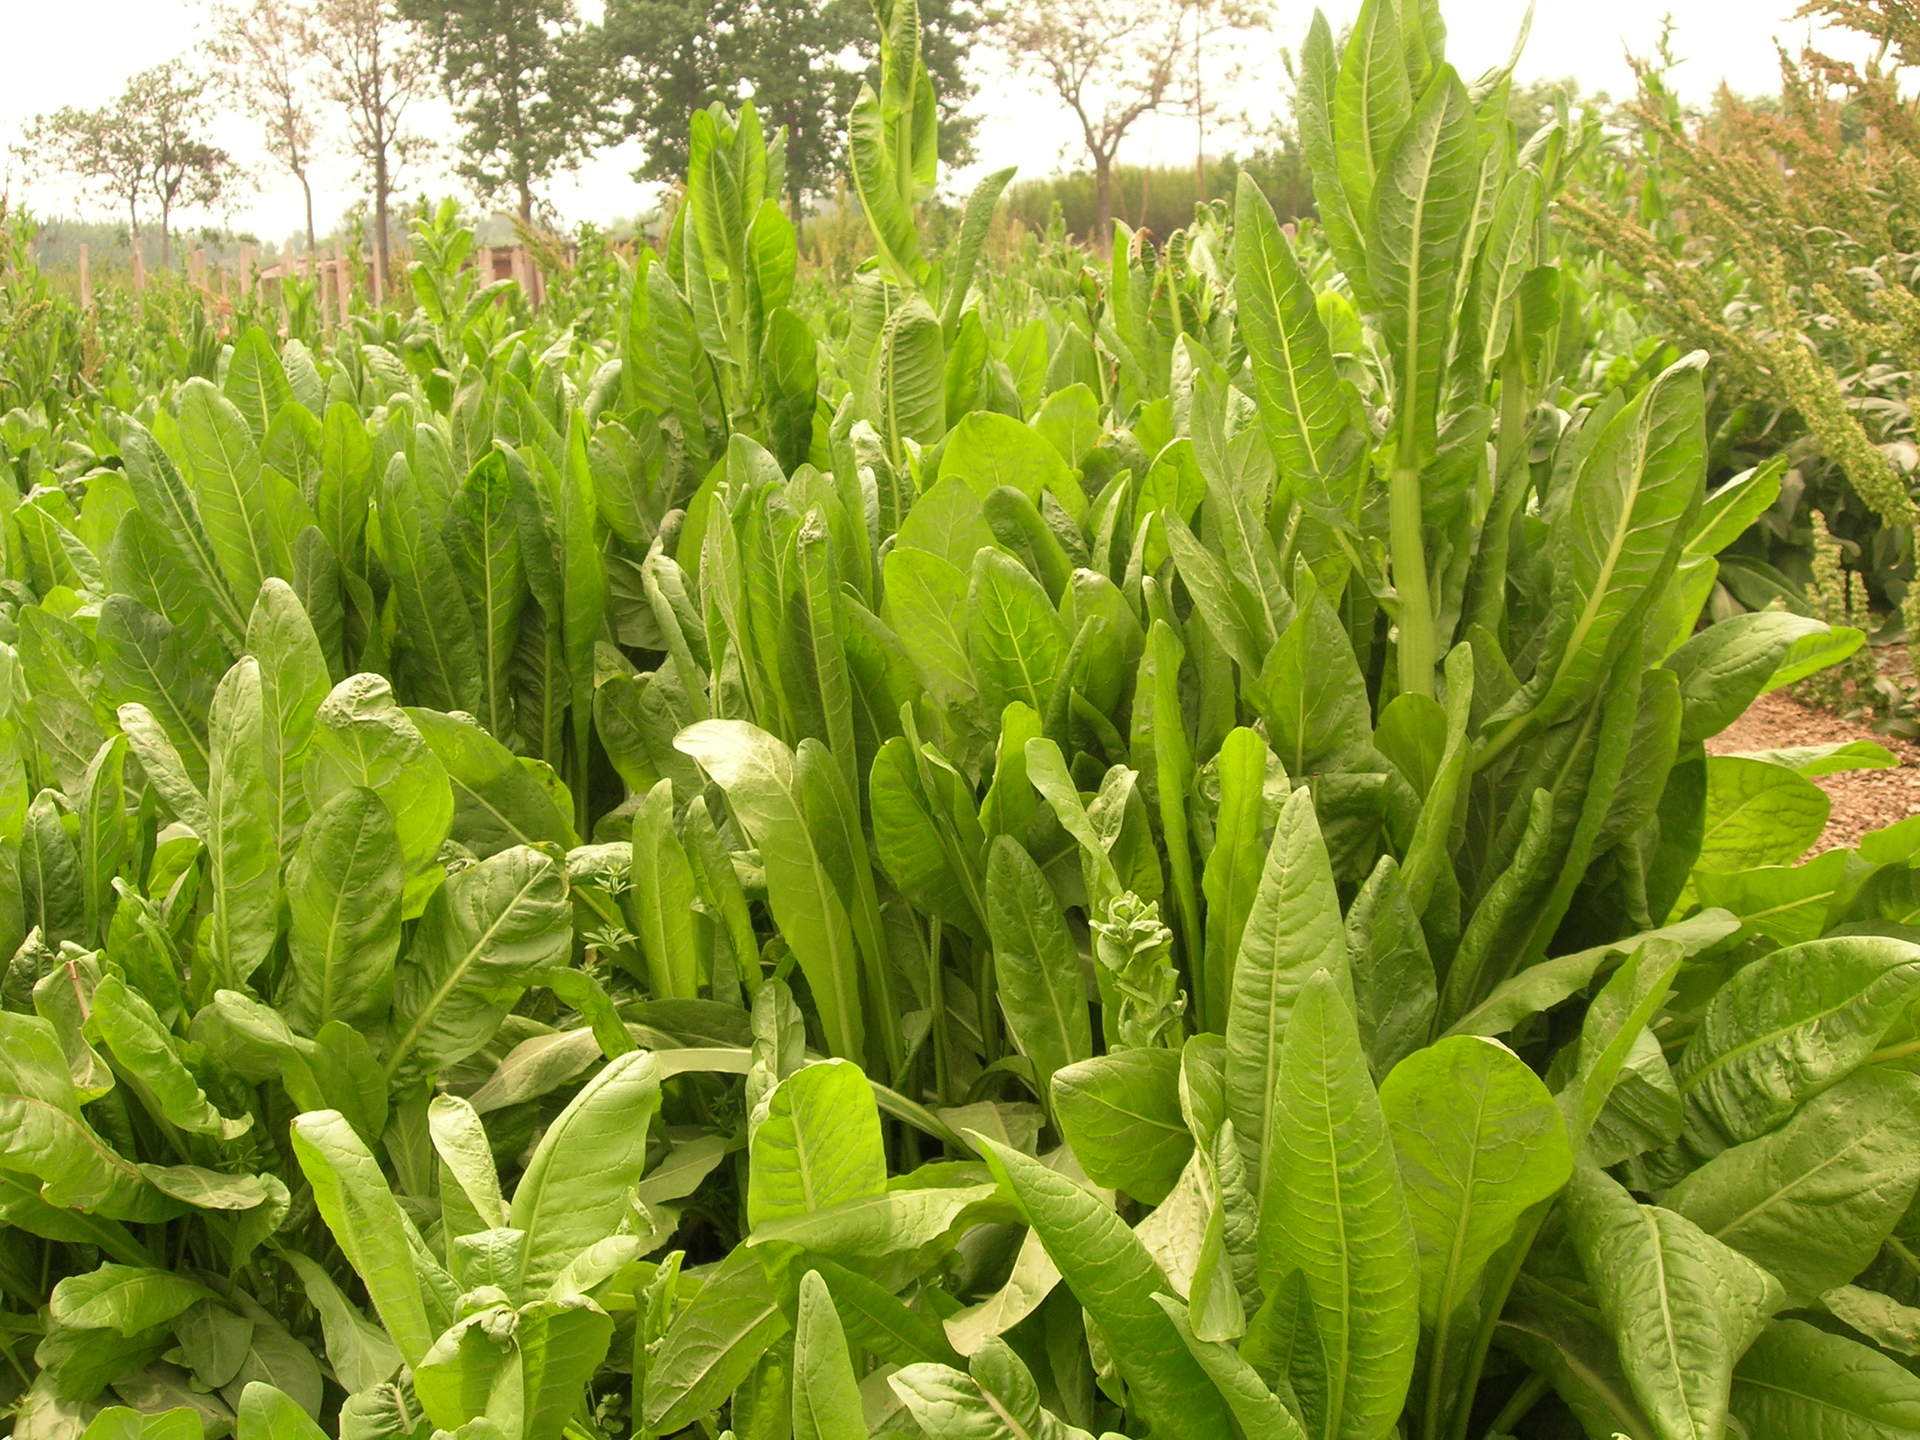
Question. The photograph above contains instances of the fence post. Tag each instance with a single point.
(139, 269)
(343, 288)
(249, 272)
(86, 279)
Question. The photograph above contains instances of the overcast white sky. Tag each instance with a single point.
(81, 51)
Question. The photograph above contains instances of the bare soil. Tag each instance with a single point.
(1863, 800)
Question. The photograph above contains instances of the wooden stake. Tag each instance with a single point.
(139, 269)
(86, 279)
(343, 276)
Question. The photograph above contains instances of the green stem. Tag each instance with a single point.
(1417, 646)
(1518, 1404)
(1509, 491)
(1493, 1301)
(1895, 1052)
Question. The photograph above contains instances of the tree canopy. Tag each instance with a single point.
(801, 62)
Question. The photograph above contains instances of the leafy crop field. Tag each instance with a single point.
(1011, 849)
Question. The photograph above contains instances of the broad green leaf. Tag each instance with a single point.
(1231, 875)
(1111, 1273)
(1293, 932)
(1332, 1207)
(1731, 509)
(1371, 103)
(1121, 1114)
(231, 487)
(1257, 1409)
(1727, 666)
(1881, 1318)
(344, 886)
(714, 1342)
(826, 1397)
(989, 450)
(1635, 496)
(1758, 814)
(483, 547)
(118, 1422)
(353, 1197)
(359, 1351)
(362, 738)
(1016, 641)
(1814, 1200)
(1618, 1017)
(293, 682)
(816, 1145)
(576, 1185)
(1312, 694)
(149, 1059)
(1304, 404)
(756, 772)
(889, 216)
(469, 1184)
(256, 382)
(1421, 212)
(144, 660)
(1036, 969)
(123, 1298)
(926, 605)
(912, 378)
(243, 858)
(1393, 981)
(1682, 1306)
(165, 500)
(479, 944)
(439, 657)
(1479, 1143)
(1799, 1380)
(267, 1413)
(995, 1399)
(1786, 1027)
(499, 799)
(975, 223)
(663, 898)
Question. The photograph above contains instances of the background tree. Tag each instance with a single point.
(170, 108)
(373, 67)
(1108, 64)
(522, 77)
(265, 49)
(94, 147)
(149, 144)
(801, 60)
(1212, 22)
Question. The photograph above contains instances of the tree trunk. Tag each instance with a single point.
(380, 188)
(166, 235)
(1199, 119)
(306, 189)
(1102, 238)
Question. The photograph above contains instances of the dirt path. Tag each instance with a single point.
(1863, 800)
